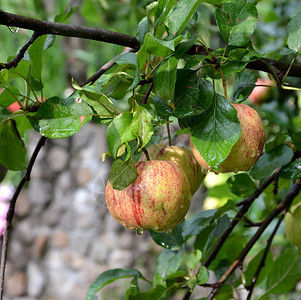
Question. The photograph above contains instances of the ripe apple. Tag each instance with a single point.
(247, 149)
(158, 199)
(260, 93)
(181, 156)
(292, 222)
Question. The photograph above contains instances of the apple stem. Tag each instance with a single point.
(168, 133)
(146, 153)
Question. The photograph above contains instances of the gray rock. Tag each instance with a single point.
(57, 159)
(37, 279)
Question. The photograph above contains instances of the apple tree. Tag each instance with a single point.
(197, 65)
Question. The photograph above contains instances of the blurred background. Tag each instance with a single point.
(63, 236)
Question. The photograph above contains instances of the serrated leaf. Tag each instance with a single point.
(8, 96)
(193, 259)
(270, 161)
(165, 79)
(13, 152)
(110, 276)
(242, 185)
(236, 20)
(122, 174)
(294, 33)
(216, 132)
(285, 273)
(179, 16)
(142, 126)
(59, 118)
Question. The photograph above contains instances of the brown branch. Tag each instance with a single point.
(14, 62)
(45, 27)
(11, 210)
(98, 34)
(105, 68)
(147, 93)
(263, 259)
(243, 210)
(284, 204)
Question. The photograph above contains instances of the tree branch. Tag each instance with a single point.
(107, 36)
(11, 211)
(14, 62)
(92, 33)
(285, 203)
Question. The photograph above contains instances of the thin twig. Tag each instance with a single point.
(168, 133)
(147, 93)
(11, 210)
(285, 203)
(263, 259)
(245, 207)
(105, 68)
(14, 62)
(146, 153)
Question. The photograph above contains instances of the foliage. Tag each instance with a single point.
(169, 80)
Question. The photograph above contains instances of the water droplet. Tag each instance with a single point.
(169, 231)
(13, 29)
(139, 231)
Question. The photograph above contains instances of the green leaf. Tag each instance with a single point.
(294, 33)
(270, 161)
(180, 15)
(110, 276)
(36, 51)
(203, 275)
(120, 131)
(292, 170)
(102, 105)
(216, 132)
(193, 259)
(193, 96)
(122, 174)
(199, 221)
(62, 18)
(168, 262)
(13, 152)
(165, 79)
(285, 273)
(245, 82)
(8, 96)
(142, 30)
(142, 126)
(230, 205)
(296, 139)
(155, 293)
(169, 241)
(253, 265)
(242, 185)
(59, 118)
(236, 21)
(132, 290)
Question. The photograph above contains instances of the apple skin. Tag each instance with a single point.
(247, 149)
(158, 199)
(181, 156)
(261, 93)
(292, 223)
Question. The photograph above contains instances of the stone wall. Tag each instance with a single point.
(63, 236)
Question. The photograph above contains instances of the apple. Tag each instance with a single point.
(158, 199)
(261, 93)
(247, 149)
(292, 223)
(181, 156)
